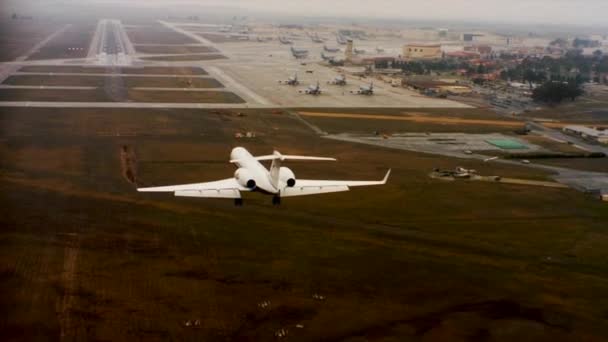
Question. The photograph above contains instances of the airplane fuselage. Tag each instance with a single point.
(259, 173)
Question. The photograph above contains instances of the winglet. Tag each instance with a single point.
(388, 173)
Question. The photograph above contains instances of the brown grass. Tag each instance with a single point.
(178, 58)
(184, 96)
(415, 117)
(157, 34)
(151, 70)
(418, 259)
(172, 49)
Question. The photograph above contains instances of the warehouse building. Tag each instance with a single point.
(590, 133)
(421, 51)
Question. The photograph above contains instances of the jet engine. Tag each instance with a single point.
(245, 178)
(287, 176)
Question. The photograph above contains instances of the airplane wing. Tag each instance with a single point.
(225, 188)
(305, 187)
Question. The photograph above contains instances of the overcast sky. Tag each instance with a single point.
(582, 12)
(546, 11)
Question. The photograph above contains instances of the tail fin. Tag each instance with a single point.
(277, 160)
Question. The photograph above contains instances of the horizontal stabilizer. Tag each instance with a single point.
(279, 156)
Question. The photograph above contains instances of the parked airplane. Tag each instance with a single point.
(338, 80)
(285, 40)
(366, 90)
(312, 89)
(299, 53)
(326, 58)
(251, 175)
(332, 49)
(293, 80)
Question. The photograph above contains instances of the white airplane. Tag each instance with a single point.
(292, 80)
(338, 80)
(366, 90)
(312, 89)
(251, 175)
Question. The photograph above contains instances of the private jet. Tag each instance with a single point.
(338, 80)
(365, 90)
(312, 90)
(251, 175)
(292, 81)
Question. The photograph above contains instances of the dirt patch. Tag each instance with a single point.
(68, 282)
(128, 164)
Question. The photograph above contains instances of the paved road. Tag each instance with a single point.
(97, 42)
(110, 44)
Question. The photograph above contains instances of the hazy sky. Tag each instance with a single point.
(585, 12)
(545, 11)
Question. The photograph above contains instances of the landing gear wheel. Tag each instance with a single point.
(238, 202)
(276, 200)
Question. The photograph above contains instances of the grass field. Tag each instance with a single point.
(84, 256)
(178, 58)
(156, 34)
(591, 108)
(151, 70)
(54, 95)
(134, 95)
(18, 36)
(219, 38)
(552, 145)
(73, 43)
(184, 96)
(394, 120)
(585, 164)
(172, 82)
(99, 81)
(172, 49)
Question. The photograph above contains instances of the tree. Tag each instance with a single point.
(598, 54)
(556, 92)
